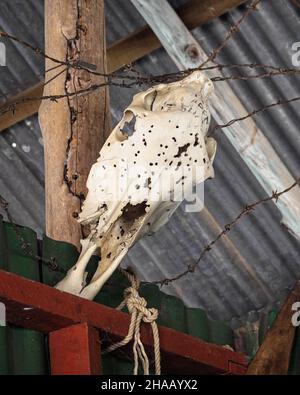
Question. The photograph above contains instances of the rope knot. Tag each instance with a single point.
(151, 316)
(137, 307)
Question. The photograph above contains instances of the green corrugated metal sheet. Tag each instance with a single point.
(22, 351)
(25, 352)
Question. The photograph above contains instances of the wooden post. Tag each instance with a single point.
(138, 44)
(273, 356)
(75, 350)
(74, 128)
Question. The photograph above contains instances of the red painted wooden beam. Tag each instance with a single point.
(75, 350)
(36, 306)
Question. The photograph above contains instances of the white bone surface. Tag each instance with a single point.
(137, 182)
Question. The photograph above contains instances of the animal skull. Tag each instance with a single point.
(149, 163)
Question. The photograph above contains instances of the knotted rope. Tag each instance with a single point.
(137, 307)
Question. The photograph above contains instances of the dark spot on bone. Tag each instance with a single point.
(178, 165)
(133, 212)
(196, 140)
(108, 255)
(148, 183)
(181, 150)
(182, 178)
(129, 127)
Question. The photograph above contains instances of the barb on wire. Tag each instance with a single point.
(233, 29)
(279, 102)
(37, 50)
(227, 228)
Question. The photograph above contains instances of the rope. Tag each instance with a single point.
(137, 307)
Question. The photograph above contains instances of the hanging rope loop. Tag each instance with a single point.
(137, 308)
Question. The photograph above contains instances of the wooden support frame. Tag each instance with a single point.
(75, 350)
(33, 305)
(258, 154)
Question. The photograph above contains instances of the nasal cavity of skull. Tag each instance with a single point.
(127, 126)
(132, 212)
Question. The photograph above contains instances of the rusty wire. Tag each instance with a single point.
(249, 208)
(128, 78)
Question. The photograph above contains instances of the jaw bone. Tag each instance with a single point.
(162, 136)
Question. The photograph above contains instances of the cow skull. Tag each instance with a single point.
(149, 163)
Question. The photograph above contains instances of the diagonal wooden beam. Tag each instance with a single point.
(135, 46)
(33, 305)
(248, 140)
(273, 356)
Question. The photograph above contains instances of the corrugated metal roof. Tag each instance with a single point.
(253, 268)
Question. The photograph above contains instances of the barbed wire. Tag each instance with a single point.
(249, 208)
(129, 77)
(234, 28)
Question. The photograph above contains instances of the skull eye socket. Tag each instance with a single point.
(127, 125)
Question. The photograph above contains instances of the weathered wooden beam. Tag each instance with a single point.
(273, 356)
(75, 350)
(33, 305)
(135, 46)
(142, 42)
(74, 128)
(248, 140)
(22, 110)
